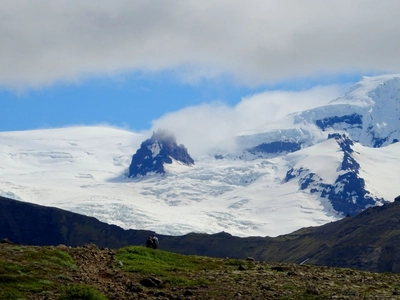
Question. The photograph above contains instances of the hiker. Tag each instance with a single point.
(149, 242)
(155, 241)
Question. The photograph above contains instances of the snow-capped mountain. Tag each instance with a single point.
(309, 168)
(369, 113)
(348, 193)
(157, 151)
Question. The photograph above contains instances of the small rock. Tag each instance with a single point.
(242, 268)
(349, 293)
(312, 290)
(278, 268)
(132, 287)
(188, 293)
(147, 282)
(161, 294)
(91, 246)
(6, 241)
(250, 259)
(151, 282)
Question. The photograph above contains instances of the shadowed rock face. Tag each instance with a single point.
(354, 120)
(278, 147)
(153, 153)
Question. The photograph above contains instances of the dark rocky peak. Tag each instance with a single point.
(346, 143)
(153, 153)
(164, 137)
(343, 141)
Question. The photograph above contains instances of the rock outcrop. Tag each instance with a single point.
(153, 153)
(348, 194)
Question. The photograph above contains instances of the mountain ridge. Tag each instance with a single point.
(368, 241)
(368, 112)
(86, 170)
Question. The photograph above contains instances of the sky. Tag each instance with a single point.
(206, 67)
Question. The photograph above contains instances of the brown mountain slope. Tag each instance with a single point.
(367, 241)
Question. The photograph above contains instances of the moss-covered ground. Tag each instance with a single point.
(51, 273)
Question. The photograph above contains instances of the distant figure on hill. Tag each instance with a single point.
(149, 242)
(155, 241)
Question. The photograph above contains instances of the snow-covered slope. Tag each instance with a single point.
(369, 112)
(308, 169)
(82, 169)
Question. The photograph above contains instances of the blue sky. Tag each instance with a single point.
(130, 104)
(140, 65)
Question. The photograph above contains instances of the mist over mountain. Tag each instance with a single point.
(306, 169)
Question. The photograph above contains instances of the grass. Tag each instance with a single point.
(175, 269)
(81, 292)
(28, 272)
(25, 270)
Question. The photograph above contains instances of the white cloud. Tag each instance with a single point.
(207, 127)
(257, 110)
(256, 41)
(201, 128)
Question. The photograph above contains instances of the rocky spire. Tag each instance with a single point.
(153, 153)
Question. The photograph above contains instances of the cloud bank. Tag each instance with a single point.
(211, 128)
(258, 41)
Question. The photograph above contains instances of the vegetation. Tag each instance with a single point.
(175, 269)
(81, 292)
(25, 270)
(89, 273)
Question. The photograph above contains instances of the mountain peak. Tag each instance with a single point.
(368, 90)
(163, 136)
(153, 153)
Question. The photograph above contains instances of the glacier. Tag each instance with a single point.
(266, 190)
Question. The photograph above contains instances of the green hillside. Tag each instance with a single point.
(135, 272)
